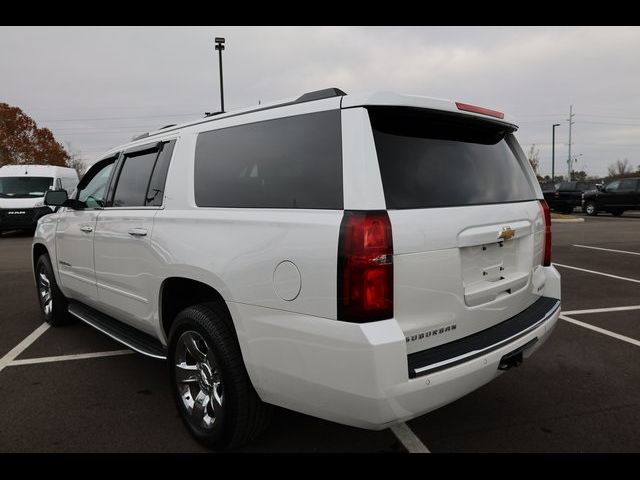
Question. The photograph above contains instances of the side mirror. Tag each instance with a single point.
(56, 198)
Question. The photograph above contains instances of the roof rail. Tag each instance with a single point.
(306, 97)
(146, 134)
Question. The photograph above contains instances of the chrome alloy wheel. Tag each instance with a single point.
(590, 209)
(198, 380)
(44, 288)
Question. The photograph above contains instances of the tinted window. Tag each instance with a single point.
(436, 160)
(628, 184)
(159, 176)
(293, 162)
(94, 193)
(584, 186)
(133, 180)
(613, 186)
(567, 186)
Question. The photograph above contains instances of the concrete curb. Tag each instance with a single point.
(567, 220)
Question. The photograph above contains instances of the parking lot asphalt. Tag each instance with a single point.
(580, 392)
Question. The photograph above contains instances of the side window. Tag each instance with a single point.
(155, 192)
(627, 185)
(131, 189)
(291, 162)
(93, 194)
(613, 186)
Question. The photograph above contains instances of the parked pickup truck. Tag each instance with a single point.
(615, 197)
(567, 195)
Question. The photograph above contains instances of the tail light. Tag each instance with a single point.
(547, 233)
(365, 267)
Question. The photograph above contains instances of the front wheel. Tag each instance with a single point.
(212, 389)
(53, 304)
(591, 209)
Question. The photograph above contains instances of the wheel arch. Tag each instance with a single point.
(178, 293)
(37, 250)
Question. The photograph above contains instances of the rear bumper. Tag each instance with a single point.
(21, 218)
(357, 374)
(505, 333)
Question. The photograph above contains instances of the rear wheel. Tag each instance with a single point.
(53, 304)
(212, 389)
(591, 209)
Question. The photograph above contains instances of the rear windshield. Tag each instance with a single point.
(430, 159)
(567, 186)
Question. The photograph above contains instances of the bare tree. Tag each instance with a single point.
(75, 161)
(620, 168)
(534, 157)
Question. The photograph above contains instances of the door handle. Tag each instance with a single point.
(138, 232)
(86, 228)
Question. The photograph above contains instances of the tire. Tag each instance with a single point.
(591, 209)
(617, 213)
(53, 304)
(202, 339)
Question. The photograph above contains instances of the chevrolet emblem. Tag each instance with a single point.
(506, 233)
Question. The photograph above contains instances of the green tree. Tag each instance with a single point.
(22, 142)
(579, 175)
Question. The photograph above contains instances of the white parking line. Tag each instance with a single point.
(606, 249)
(601, 310)
(617, 336)
(18, 349)
(62, 358)
(598, 273)
(409, 439)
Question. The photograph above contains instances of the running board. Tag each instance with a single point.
(121, 332)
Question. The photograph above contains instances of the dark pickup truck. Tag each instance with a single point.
(567, 195)
(615, 197)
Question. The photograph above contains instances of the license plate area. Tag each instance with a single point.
(491, 271)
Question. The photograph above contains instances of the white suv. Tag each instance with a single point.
(363, 259)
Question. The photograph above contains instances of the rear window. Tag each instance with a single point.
(292, 162)
(431, 159)
(584, 186)
(567, 186)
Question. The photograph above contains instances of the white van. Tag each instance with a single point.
(22, 189)
(361, 258)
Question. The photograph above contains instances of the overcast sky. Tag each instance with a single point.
(96, 87)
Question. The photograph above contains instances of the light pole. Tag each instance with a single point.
(220, 47)
(553, 152)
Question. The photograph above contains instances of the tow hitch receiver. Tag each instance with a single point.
(514, 358)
